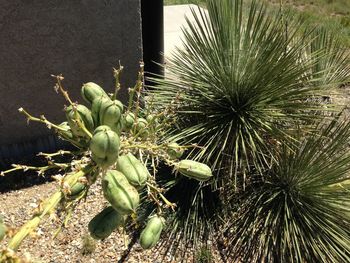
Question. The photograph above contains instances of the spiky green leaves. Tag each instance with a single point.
(300, 212)
(334, 64)
(242, 81)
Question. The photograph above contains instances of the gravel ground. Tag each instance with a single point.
(17, 207)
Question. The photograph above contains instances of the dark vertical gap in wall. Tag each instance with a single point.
(152, 36)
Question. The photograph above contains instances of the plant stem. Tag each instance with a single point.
(159, 192)
(41, 169)
(48, 206)
(137, 88)
(59, 153)
(42, 119)
(59, 85)
(116, 74)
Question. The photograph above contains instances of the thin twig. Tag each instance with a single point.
(47, 207)
(42, 119)
(116, 74)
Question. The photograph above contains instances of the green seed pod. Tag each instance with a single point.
(120, 105)
(104, 146)
(129, 121)
(120, 194)
(133, 169)
(76, 189)
(67, 134)
(141, 127)
(151, 234)
(141, 124)
(105, 222)
(194, 170)
(110, 114)
(102, 128)
(95, 109)
(3, 229)
(150, 118)
(84, 115)
(174, 150)
(90, 91)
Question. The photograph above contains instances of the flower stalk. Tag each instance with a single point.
(46, 208)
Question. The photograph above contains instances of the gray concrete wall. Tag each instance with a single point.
(82, 39)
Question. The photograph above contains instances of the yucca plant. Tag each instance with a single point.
(245, 80)
(300, 212)
(333, 67)
(242, 81)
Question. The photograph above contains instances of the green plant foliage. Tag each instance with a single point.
(137, 133)
(300, 212)
(333, 67)
(182, 2)
(242, 81)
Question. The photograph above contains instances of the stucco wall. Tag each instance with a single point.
(82, 39)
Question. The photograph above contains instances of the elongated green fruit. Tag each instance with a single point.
(110, 114)
(105, 222)
(150, 118)
(174, 150)
(95, 109)
(129, 121)
(76, 189)
(67, 134)
(133, 169)
(194, 170)
(81, 142)
(84, 115)
(141, 127)
(102, 128)
(104, 146)
(90, 91)
(120, 194)
(151, 234)
(119, 104)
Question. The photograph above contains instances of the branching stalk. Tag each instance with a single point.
(116, 74)
(59, 153)
(40, 169)
(42, 119)
(59, 87)
(48, 206)
(159, 192)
